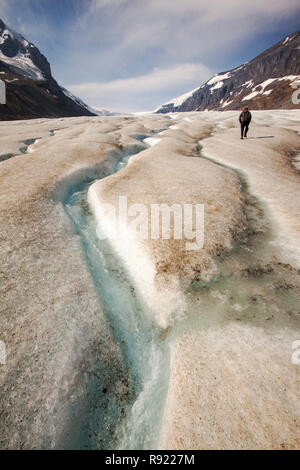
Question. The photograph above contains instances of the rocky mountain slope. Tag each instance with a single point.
(31, 91)
(266, 82)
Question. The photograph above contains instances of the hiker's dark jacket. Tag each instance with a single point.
(245, 117)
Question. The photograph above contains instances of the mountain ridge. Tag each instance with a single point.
(265, 82)
(31, 90)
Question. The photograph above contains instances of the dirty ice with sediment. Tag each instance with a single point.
(141, 344)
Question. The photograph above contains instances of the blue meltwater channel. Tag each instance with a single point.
(137, 424)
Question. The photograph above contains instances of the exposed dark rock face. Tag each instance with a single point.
(263, 83)
(31, 91)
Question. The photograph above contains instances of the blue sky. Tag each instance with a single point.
(134, 55)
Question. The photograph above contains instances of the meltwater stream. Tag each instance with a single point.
(252, 286)
(134, 420)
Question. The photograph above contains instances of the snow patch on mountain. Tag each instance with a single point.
(182, 98)
(5, 34)
(260, 88)
(216, 81)
(227, 102)
(248, 84)
(291, 78)
(23, 64)
(251, 80)
(15, 51)
(287, 39)
(77, 100)
(21, 61)
(106, 112)
(218, 78)
(91, 109)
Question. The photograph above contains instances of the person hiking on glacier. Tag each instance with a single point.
(245, 119)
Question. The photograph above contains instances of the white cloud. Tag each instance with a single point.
(214, 9)
(131, 37)
(129, 90)
(109, 40)
(24, 18)
(159, 79)
(99, 4)
(177, 30)
(4, 9)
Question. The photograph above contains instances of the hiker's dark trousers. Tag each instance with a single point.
(244, 128)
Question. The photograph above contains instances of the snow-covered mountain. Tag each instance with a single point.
(103, 112)
(22, 56)
(30, 88)
(93, 110)
(263, 83)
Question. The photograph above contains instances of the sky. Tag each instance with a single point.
(134, 55)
